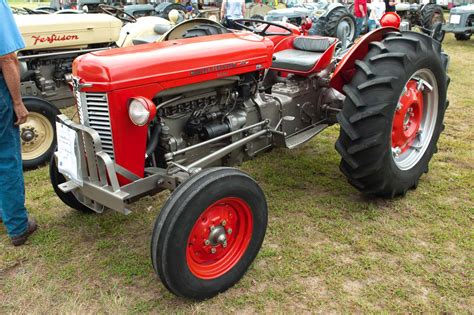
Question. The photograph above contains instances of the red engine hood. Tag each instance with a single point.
(226, 54)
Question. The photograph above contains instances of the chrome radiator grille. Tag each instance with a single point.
(94, 113)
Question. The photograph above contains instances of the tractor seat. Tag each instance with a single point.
(306, 53)
(159, 29)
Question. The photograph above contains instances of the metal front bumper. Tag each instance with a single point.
(99, 187)
(456, 28)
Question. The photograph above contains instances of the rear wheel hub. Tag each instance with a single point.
(414, 119)
(407, 118)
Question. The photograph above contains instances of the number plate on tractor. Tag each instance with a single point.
(455, 19)
(67, 153)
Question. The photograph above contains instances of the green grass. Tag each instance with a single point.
(327, 247)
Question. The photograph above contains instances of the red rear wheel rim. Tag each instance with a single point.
(219, 238)
(408, 116)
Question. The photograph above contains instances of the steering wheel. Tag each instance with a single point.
(260, 27)
(119, 13)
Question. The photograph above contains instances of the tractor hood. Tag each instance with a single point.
(67, 31)
(176, 62)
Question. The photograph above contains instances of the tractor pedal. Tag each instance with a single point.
(303, 135)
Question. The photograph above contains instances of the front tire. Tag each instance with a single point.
(208, 232)
(69, 199)
(462, 36)
(38, 133)
(393, 114)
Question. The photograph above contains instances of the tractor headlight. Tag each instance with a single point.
(141, 110)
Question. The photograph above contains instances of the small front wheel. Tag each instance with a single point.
(209, 232)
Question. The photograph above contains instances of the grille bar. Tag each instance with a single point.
(94, 113)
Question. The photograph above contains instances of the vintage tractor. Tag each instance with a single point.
(461, 22)
(174, 115)
(428, 17)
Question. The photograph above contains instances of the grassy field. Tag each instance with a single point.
(327, 248)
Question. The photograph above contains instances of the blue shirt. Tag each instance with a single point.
(10, 37)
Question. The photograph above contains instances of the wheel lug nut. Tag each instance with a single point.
(396, 151)
(207, 242)
(224, 244)
(224, 223)
(212, 227)
(213, 250)
(229, 231)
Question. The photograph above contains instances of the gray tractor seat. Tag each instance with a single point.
(306, 53)
(159, 29)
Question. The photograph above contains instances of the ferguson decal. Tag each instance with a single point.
(53, 38)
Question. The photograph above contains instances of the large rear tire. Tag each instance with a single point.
(208, 232)
(393, 114)
(430, 15)
(334, 23)
(38, 133)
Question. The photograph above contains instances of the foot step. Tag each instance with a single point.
(303, 135)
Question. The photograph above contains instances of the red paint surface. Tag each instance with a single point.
(238, 217)
(407, 119)
(345, 69)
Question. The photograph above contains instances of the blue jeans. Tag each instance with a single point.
(359, 24)
(372, 25)
(12, 187)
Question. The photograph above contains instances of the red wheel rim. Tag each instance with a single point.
(407, 118)
(208, 255)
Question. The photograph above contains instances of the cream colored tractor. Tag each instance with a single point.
(53, 41)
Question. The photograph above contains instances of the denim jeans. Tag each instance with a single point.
(372, 25)
(359, 24)
(12, 188)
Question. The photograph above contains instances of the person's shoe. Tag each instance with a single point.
(21, 239)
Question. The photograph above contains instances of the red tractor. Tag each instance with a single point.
(174, 115)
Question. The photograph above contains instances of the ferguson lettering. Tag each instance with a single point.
(53, 38)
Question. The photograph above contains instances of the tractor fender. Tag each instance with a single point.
(345, 69)
(331, 7)
(40, 100)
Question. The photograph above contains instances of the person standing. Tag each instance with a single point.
(13, 113)
(377, 10)
(231, 10)
(390, 5)
(360, 12)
